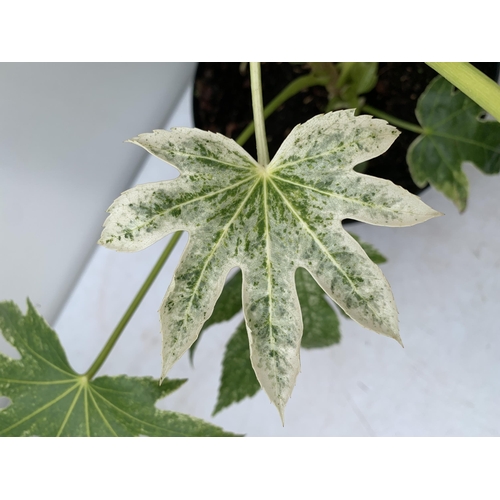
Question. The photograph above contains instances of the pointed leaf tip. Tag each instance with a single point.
(282, 415)
(399, 340)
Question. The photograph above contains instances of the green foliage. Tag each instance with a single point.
(228, 304)
(238, 380)
(48, 398)
(346, 82)
(355, 79)
(268, 221)
(453, 134)
(374, 255)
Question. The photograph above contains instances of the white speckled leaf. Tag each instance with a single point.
(267, 221)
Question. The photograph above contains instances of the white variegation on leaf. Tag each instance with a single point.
(268, 221)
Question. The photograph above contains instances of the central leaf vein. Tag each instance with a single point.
(86, 408)
(199, 157)
(46, 361)
(300, 160)
(70, 411)
(214, 249)
(268, 261)
(104, 419)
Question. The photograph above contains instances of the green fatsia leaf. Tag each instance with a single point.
(238, 380)
(371, 251)
(453, 134)
(228, 304)
(48, 398)
(268, 221)
(321, 325)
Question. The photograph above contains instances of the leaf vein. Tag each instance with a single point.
(86, 407)
(133, 417)
(279, 167)
(323, 248)
(39, 410)
(36, 382)
(268, 263)
(100, 412)
(194, 200)
(43, 359)
(70, 410)
(199, 157)
(215, 247)
(452, 115)
(467, 141)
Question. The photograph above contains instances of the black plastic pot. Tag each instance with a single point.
(222, 103)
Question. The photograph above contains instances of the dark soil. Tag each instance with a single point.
(222, 103)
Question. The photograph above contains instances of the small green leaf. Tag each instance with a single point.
(354, 80)
(357, 78)
(268, 221)
(48, 398)
(454, 134)
(238, 380)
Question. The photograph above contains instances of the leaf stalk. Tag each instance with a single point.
(392, 119)
(292, 89)
(101, 358)
(473, 83)
(258, 114)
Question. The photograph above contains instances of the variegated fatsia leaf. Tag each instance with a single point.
(268, 221)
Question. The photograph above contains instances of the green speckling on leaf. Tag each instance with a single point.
(268, 222)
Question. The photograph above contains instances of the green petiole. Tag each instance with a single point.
(258, 114)
(393, 120)
(473, 83)
(96, 365)
(293, 88)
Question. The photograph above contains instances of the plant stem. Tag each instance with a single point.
(393, 120)
(96, 365)
(293, 88)
(473, 83)
(258, 114)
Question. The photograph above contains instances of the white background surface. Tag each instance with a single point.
(62, 158)
(445, 275)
